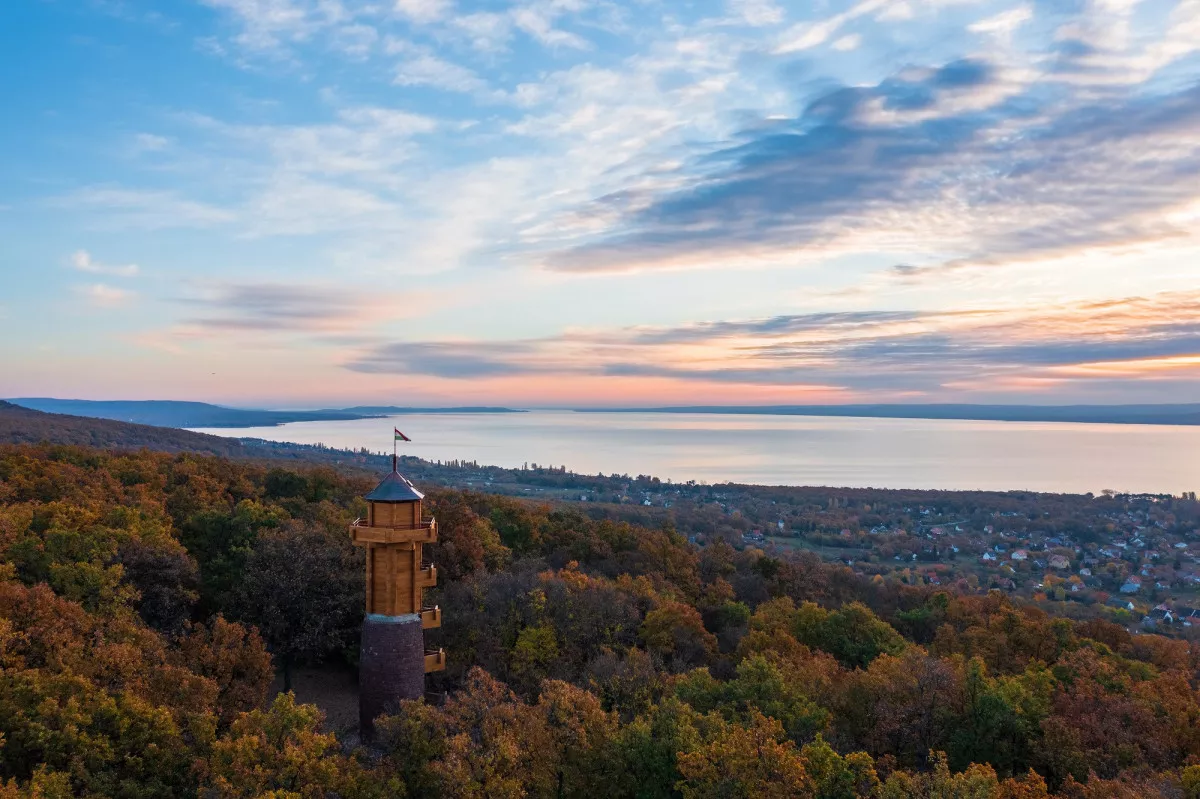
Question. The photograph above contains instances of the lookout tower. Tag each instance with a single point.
(393, 660)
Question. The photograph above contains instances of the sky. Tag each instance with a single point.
(549, 203)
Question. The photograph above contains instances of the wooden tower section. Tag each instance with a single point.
(394, 660)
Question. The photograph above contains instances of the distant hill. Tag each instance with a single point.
(1179, 414)
(26, 426)
(170, 413)
(386, 410)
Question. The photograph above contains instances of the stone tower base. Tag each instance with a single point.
(391, 666)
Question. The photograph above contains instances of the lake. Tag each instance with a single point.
(789, 450)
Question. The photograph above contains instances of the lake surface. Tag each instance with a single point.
(789, 450)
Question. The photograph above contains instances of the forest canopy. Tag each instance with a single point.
(147, 601)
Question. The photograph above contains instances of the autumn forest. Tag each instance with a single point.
(148, 600)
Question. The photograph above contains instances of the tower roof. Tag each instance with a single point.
(395, 488)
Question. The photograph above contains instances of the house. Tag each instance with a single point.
(1059, 562)
(1160, 615)
(1188, 616)
(989, 556)
(1132, 585)
(1085, 572)
(1019, 555)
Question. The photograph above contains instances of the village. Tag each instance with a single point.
(1133, 558)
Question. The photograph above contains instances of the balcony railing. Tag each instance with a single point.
(425, 524)
(431, 617)
(427, 576)
(435, 660)
(424, 532)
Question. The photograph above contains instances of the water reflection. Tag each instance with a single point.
(792, 450)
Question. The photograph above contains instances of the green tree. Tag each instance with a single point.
(304, 591)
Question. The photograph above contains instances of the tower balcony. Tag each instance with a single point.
(427, 576)
(435, 660)
(431, 617)
(424, 532)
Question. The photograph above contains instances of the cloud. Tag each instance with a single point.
(150, 143)
(104, 296)
(1003, 25)
(968, 158)
(83, 261)
(756, 12)
(537, 20)
(847, 43)
(266, 24)
(867, 353)
(429, 70)
(807, 35)
(485, 31)
(290, 308)
(424, 11)
(460, 361)
(144, 208)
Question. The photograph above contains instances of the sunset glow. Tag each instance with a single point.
(571, 203)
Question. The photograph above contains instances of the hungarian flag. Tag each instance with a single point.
(400, 436)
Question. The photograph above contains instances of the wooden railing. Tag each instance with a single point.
(431, 617)
(363, 532)
(427, 576)
(428, 523)
(435, 660)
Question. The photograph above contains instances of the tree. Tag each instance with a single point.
(167, 581)
(752, 762)
(676, 632)
(758, 687)
(279, 752)
(221, 542)
(581, 734)
(467, 543)
(498, 747)
(837, 777)
(648, 749)
(232, 657)
(304, 591)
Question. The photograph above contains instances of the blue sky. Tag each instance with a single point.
(547, 202)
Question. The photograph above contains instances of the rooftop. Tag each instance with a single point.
(395, 488)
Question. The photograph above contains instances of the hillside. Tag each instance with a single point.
(20, 425)
(169, 413)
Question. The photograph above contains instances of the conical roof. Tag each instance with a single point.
(395, 488)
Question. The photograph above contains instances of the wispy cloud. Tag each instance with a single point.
(104, 296)
(424, 10)
(425, 69)
(966, 159)
(980, 352)
(143, 208)
(83, 261)
(291, 308)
